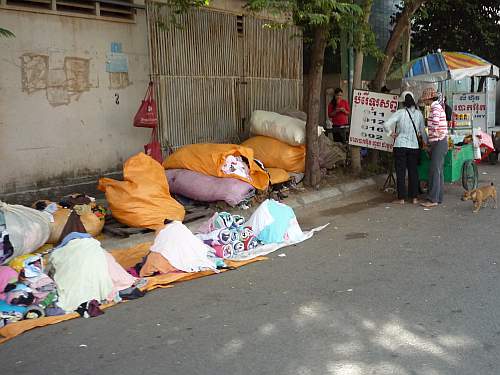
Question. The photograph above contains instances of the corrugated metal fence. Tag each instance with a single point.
(211, 73)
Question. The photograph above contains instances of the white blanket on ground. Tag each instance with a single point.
(269, 248)
(81, 273)
(183, 249)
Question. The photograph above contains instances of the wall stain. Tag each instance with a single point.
(63, 79)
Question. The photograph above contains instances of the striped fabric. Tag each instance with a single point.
(436, 123)
(460, 60)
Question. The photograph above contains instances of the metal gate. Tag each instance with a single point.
(211, 73)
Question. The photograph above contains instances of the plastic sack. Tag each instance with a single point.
(153, 148)
(28, 228)
(272, 221)
(205, 188)
(278, 175)
(276, 154)
(93, 225)
(283, 128)
(209, 158)
(330, 153)
(143, 199)
(146, 116)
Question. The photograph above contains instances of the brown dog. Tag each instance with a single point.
(480, 195)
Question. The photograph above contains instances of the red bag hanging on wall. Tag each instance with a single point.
(146, 116)
(153, 148)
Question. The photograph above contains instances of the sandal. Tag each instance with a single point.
(429, 204)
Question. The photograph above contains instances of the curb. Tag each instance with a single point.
(337, 191)
(298, 201)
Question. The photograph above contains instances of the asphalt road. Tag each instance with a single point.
(382, 290)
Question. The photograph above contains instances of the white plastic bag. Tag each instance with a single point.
(28, 228)
(286, 129)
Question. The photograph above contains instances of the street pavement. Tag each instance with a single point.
(384, 289)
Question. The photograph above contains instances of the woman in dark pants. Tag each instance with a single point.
(438, 141)
(405, 126)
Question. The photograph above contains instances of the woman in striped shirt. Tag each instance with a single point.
(438, 142)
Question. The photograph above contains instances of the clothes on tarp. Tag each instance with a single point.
(81, 273)
(227, 235)
(84, 271)
(121, 279)
(156, 263)
(274, 222)
(7, 277)
(183, 249)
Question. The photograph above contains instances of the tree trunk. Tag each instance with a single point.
(313, 173)
(402, 24)
(358, 71)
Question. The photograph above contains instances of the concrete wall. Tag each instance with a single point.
(63, 117)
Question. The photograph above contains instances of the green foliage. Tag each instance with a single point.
(341, 17)
(177, 8)
(6, 33)
(459, 25)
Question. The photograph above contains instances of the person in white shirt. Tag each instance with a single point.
(405, 126)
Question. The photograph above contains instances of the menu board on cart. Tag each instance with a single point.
(370, 110)
(473, 104)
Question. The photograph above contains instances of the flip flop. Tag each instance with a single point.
(429, 204)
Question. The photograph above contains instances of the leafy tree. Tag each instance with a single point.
(401, 24)
(364, 41)
(459, 25)
(326, 21)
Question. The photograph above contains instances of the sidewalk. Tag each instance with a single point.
(297, 199)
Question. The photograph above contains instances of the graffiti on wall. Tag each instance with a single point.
(62, 77)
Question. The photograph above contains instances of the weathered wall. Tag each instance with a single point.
(63, 116)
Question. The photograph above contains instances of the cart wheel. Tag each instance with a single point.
(470, 175)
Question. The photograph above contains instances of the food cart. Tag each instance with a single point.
(469, 84)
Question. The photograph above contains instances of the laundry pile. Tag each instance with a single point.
(26, 292)
(78, 275)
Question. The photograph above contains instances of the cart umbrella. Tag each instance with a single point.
(442, 66)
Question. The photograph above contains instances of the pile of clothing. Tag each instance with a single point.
(26, 292)
(228, 235)
(177, 249)
(78, 275)
(87, 275)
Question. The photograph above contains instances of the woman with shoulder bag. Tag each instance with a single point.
(407, 127)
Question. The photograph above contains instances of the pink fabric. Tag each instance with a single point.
(484, 140)
(437, 124)
(7, 276)
(205, 188)
(121, 279)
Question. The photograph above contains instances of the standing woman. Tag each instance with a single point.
(405, 126)
(338, 112)
(438, 141)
